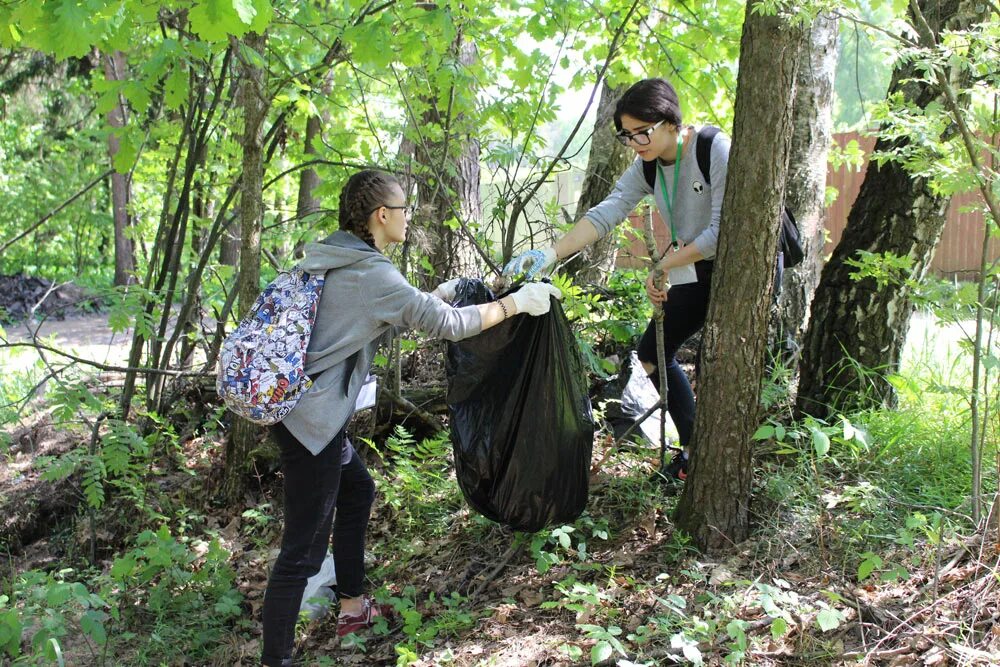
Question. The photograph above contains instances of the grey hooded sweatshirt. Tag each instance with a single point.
(363, 298)
(697, 207)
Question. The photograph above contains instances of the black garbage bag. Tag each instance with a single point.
(521, 422)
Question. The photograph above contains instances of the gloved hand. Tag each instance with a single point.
(533, 298)
(535, 261)
(446, 290)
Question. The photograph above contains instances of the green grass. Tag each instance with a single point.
(870, 486)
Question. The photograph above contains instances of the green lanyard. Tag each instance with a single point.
(663, 187)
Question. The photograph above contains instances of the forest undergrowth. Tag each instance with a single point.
(862, 551)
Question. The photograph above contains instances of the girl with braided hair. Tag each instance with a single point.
(364, 300)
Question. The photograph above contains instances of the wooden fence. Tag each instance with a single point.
(958, 253)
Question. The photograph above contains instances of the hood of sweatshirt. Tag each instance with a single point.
(336, 251)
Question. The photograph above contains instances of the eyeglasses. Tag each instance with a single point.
(641, 138)
(406, 209)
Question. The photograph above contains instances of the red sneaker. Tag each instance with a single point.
(363, 619)
(677, 468)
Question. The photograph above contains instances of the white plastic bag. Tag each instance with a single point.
(318, 595)
(639, 395)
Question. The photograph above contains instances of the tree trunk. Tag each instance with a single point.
(252, 96)
(857, 328)
(608, 159)
(121, 184)
(451, 185)
(805, 189)
(229, 246)
(714, 509)
(307, 203)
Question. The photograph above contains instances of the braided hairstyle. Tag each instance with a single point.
(363, 193)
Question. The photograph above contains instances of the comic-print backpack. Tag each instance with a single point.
(261, 373)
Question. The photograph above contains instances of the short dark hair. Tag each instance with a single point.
(649, 100)
(364, 192)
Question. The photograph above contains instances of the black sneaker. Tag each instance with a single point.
(677, 469)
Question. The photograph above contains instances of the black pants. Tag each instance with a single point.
(684, 313)
(315, 486)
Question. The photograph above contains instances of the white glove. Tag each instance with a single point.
(534, 298)
(535, 261)
(446, 290)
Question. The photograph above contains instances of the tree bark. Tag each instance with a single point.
(607, 160)
(308, 204)
(121, 184)
(805, 187)
(444, 190)
(714, 508)
(253, 99)
(857, 328)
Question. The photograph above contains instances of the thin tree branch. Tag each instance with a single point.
(45, 218)
(104, 367)
(612, 52)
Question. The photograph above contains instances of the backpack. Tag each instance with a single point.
(789, 239)
(261, 372)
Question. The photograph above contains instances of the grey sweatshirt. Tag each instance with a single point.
(363, 298)
(697, 206)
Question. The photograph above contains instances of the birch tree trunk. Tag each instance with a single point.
(857, 328)
(805, 193)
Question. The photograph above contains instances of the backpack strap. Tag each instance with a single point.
(703, 151)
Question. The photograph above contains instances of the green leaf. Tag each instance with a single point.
(821, 441)
(123, 567)
(252, 56)
(601, 651)
(137, 95)
(868, 565)
(245, 10)
(128, 151)
(119, 319)
(779, 627)
(765, 432)
(92, 623)
(215, 20)
(57, 595)
(10, 633)
(10, 37)
(52, 650)
(263, 17)
(828, 619)
(175, 88)
(72, 30)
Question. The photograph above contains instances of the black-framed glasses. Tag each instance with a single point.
(641, 138)
(405, 208)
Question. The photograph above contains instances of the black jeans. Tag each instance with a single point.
(684, 314)
(315, 486)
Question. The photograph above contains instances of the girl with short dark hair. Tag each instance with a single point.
(648, 119)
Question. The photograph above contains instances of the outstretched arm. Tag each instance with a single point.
(582, 234)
